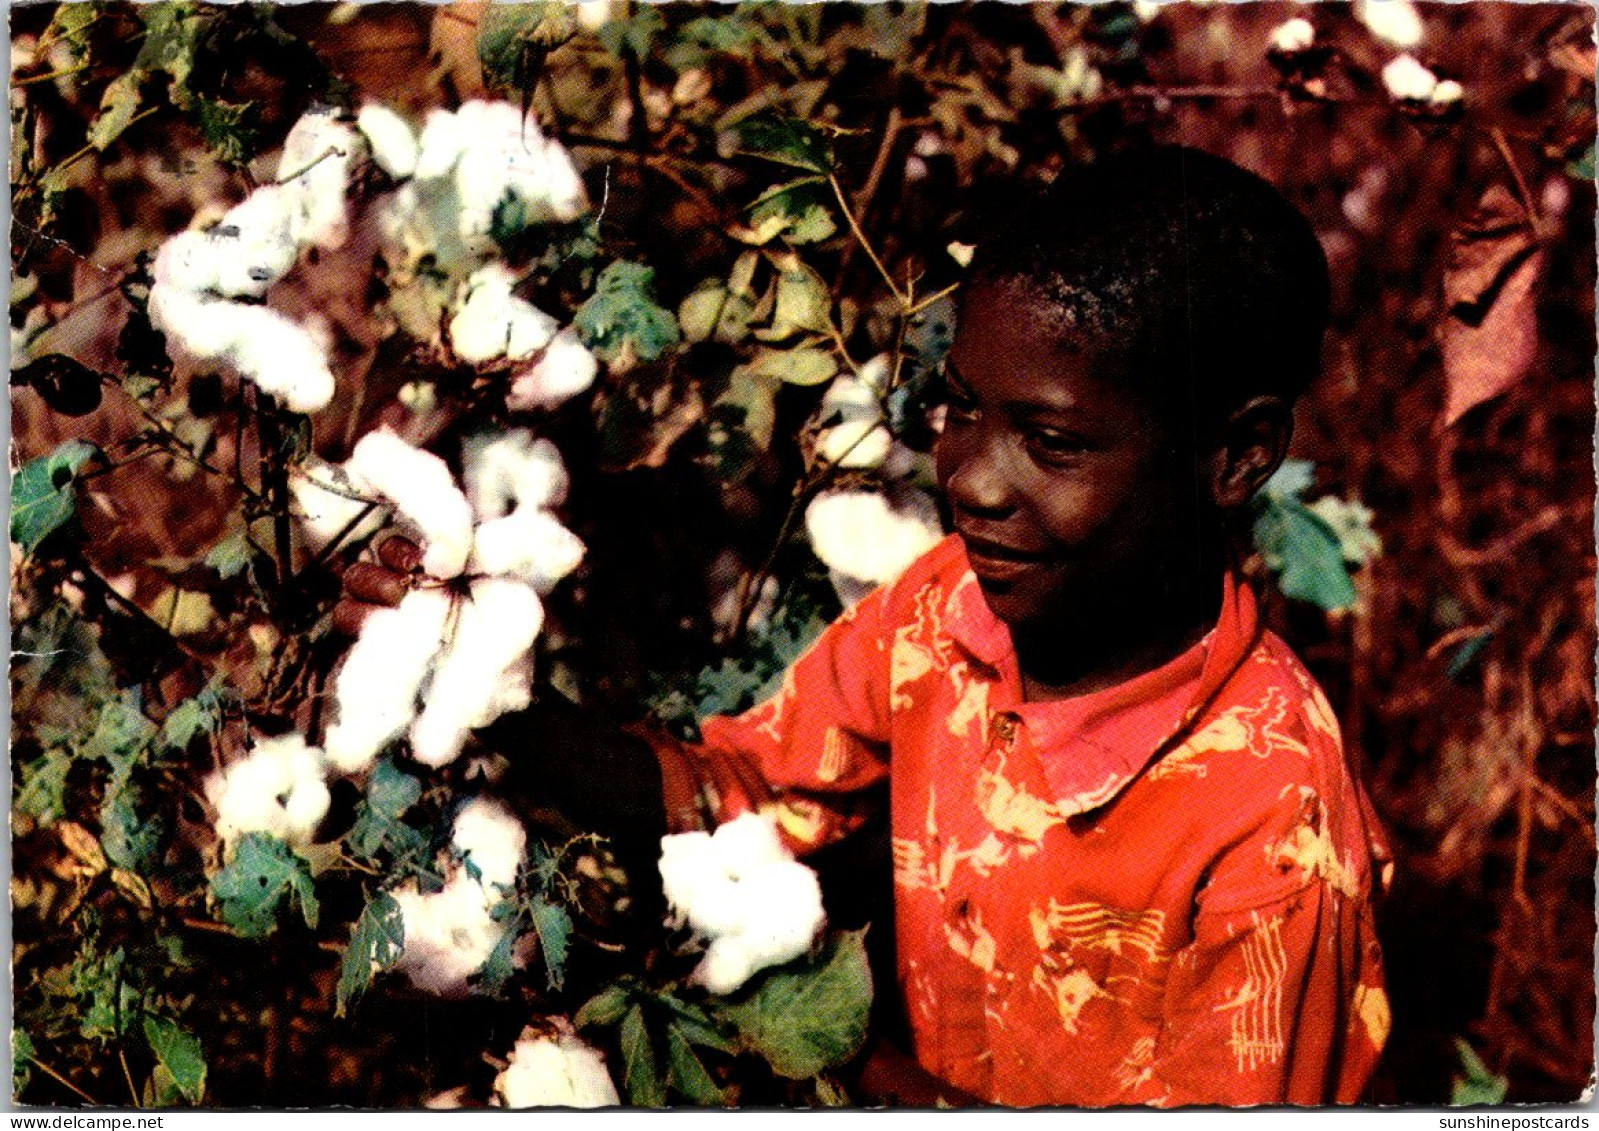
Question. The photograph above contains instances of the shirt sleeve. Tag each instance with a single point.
(811, 752)
(1279, 997)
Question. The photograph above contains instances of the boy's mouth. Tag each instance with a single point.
(997, 561)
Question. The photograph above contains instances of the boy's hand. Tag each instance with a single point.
(891, 1079)
(369, 586)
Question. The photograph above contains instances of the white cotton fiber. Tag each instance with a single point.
(200, 327)
(392, 141)
(503, 153)
(278, 788)
(190, 261)
(280, 356)
(440, 145)
(859, 436)
(488, 833)
(557, 1070)
(377, 687)
(255, 242)
(869, 536)
(1409, 81)
(315, 171)
(449, 933)
(565, 369)
(327, 499)
(493, 323)
(740, 889)
(493, 630)
(509, 469)
(420, 486)
(528, 544)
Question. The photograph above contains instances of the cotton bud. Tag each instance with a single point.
(565, 369)
(494, 629)
(393, 144)
(739, 888)
(376, 689)
(255, 242)
(493, 323)
(511, 469)
(277, 789)
(869, 536)
(1293, 36)
(422, 489)
(315, 168)
(1395, 22)
(555, 1071)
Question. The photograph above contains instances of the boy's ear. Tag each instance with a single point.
(1252, 444)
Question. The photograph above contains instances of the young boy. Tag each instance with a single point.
(1131, 864)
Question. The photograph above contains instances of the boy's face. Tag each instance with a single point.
(1075, 504)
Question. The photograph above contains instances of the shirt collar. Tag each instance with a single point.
(1091, 746)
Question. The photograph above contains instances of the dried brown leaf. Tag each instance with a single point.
(1485, 247)
(1484, 359)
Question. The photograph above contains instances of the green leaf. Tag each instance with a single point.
(805, 207)
(641, 1074)
(1582, 167)
(1477, 1085)
(390, 793)
(699, 313)
(622, 316)
(44, 495)
(42, 793)
(172, 32)
(634, 35)
(804, 366)
(229, 129)
(698, 1025)
(118, 105)
(1462, 660)
(554, 928)
(802, 304)
(121, 730)
(500, 966)
(376, 944)
(131, 839)
(750, 404)
(785, 140)
(509, 33)
(804, 1018)
(106, 1000)
(200, 714)
(1304, 552)
(180, 1053)
(22, 1053)
(263, 876)
(686, 1074)
(70, 24)
(604, 1008)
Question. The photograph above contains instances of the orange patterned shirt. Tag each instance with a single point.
(1158, 893)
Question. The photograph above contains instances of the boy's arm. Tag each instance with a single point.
(1281, 1002)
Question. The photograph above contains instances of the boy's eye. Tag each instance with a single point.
(962, 405)
(1052, 445)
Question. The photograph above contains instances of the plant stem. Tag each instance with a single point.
(843, 204)
(62, 1080)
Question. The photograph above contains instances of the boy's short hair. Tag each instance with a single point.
(1198, 275)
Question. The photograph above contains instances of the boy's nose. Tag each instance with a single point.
(974, 482)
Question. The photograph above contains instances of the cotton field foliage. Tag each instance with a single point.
(740, 889)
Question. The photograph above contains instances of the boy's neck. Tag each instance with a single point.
(1064, 661)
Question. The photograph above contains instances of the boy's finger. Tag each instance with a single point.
(400, 554)
(372, 583)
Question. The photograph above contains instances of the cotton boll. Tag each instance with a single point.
(394, 145)
(277, 789)
(203, 328)
(749, 841)
(488, 833)
(281, 357)
(327, 499)
(449, 934)
(1447, 93)
(555, 1071)
(255, 242)
(421, 488)
(1395, 22)
(1293, 36)
(782, 905)
(493, 630)
(1409, 81)
(315, 169)
(565, 369)
(189, 261)
(493, 323)
(697, 885)
(528, 544)
(511, 469)
(859, 439)
(867, 536)
(440, 145)
(376, 689)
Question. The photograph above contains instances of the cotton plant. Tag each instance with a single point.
(740, 890)
(491, 323)
(450, 933)
(207, 284)
(278, 788)
(460, 641)
(554, 1067)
